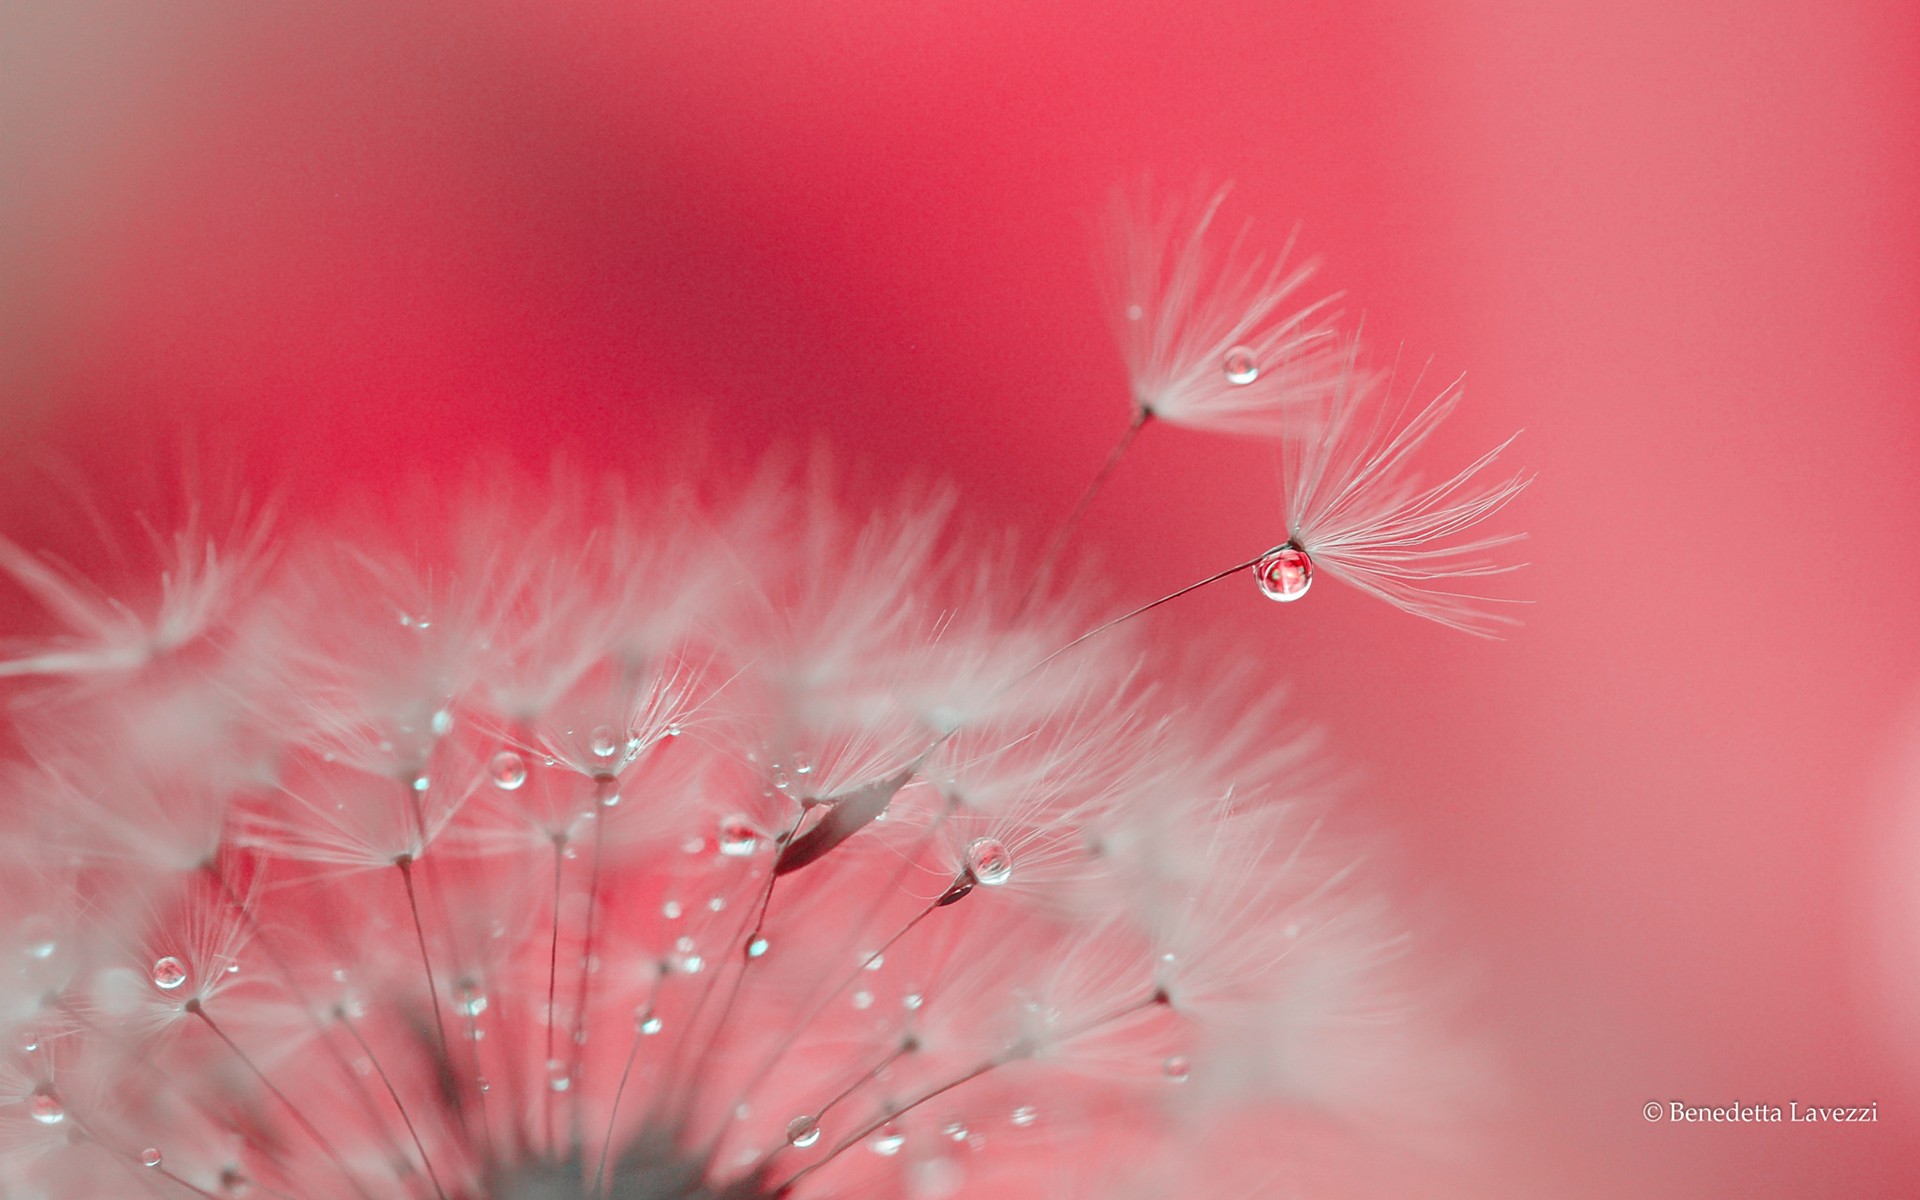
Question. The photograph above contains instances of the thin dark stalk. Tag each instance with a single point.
(553, 976)
(613, 1109)
(405, 863)
(576, 1058)
(1148, 607)
(905, 1047)
(1066, 531)
(854, 1139)
(432, 1175)
(193, 1006)
(479, 1074)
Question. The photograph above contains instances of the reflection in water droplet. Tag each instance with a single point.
(150, 1157)
(1025, 1115)
(955, 1130)
(671, 910)
(604, 742)
(557, 1077)
(887, 1142)
(442, 721)
(1284, 573)
(1240, 366)
(738, 837)
(1135, 312)
(169, 973)
(803, 1131)
(863, 999)
(756, 947)
(47, 1106)
(646, 1022)
(473, 1001)
(989, 861)
(508, 770)
(1177, 1068)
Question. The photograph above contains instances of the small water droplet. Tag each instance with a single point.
(233, 968)
(863, 999)
(1284, 573)
(483, 1083)
(646, 1022)
(694, 845)
(442, 721)
(887, 1142)
(508, 770)
(803, 1131)
(692, 963)
(989, 861)
(28, 1041)
(1025, 1115)
(955, 1130)
(716, 903)
(604, 741)
(473, 1001)
(1240, 366)
(150, 1157)
(742, 1111)
(169, 973)
(609, 798)
(875, 961)
(914, 1001)
(47, 1105)
(756, 947)
(558, 1078)
(1177, 1068)
(37, 936)
(421, 783)
(671, 910)
(1135, 312)
(738, 837)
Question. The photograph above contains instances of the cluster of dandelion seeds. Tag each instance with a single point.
(645, 847)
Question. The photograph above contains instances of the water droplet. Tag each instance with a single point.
(742, 1111)
(1240, 366)
(557, 1077)
(738, 837)
(421, 783)
(169, 973)
(1177, 1068)
(692, 963)
(609, 798)
(887, 1142)
(508, 770)
(989, 861)
(483, 1083)
(28, 1041)
(1135, 312)
(955, 1130)
(1025, 1115)
(473, 1001)
(442, 721)
(756, 947)
(863, 999)
(694, 845)
(1284, 573)
(716, 903)
(37, 936)
(604, 741)
(671, 910)
(150, 1157)
(47, 1106)
(646, 1022)
(875, 961)
(803, 1131)
(914, 1001)
(233, 968)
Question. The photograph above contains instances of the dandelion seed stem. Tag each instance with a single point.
(577, 1057)
(906, 1046)
(1148, 607)
(1065, 533)
(486, 1122)
(405, 863)
(553, 976)
(367, 1050)
(854, 1139)
(193, 1006)
(633, 1052)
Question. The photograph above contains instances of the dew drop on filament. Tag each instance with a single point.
(989, 861)
(646, 1023)
(150, 1157)
(1284, 573)
(604, 742)
(738, 837)
(508, 770)
(46, 1105)
(169, 973)
(887, 1142)
(558, 1078)
(1240, 366)
(1177, 1068)
(803, 1131)
(473, 1001)
(756, 947)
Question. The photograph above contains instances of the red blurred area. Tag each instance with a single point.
(341, 245)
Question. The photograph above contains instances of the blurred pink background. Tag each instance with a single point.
(1668, 829)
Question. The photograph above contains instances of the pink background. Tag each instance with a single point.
(1665, 829)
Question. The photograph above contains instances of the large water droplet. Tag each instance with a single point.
(604, 741)
(1240, 366)
(150, 1157)
(169, 973)
(989, 861)
(803, 1131)
(887, 1142)
(1177, 1068)
(738, 837)
(1284, 573)
(47, 1105)
(508, 770)
(1025, 1115)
